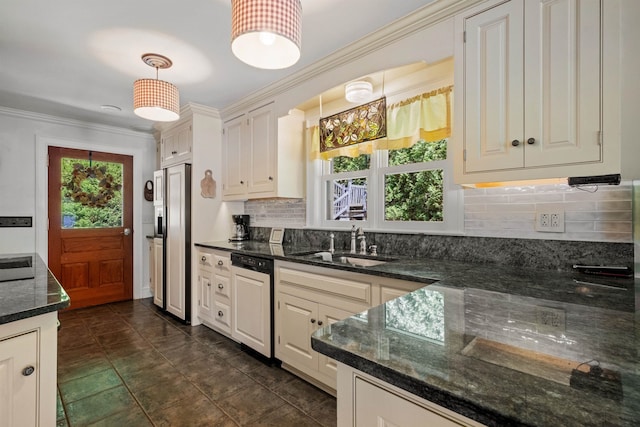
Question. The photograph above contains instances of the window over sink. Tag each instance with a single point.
(401, 183)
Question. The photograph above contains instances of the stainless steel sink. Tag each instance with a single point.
(355, 260)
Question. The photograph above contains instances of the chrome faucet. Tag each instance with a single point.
(363, 241)
(353, 239)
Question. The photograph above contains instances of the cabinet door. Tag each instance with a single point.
(176, 250)
(493, 85)
(205, 293)
(158, 188)
(251, 309)
(152, 266)
(234, 152)
(158, 293)
(328, 316)
(18, 388)
(375, 406)
(262, 157)
(562, 84)
(176, 144)
(297, 320)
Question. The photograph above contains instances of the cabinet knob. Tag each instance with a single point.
(220, 263)
(515, 142)
(174, 152)
(28, 371)
(313, 320)
(241, 182)
(270, 178)
(319, 322)
(209, 284)
(204, 258)
(220, 286)
(531, 141)
(220, 313)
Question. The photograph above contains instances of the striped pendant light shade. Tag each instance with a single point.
(155, 99)
(266, 33)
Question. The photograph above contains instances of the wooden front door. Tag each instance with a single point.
(90, 225)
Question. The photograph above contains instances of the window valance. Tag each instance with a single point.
(424, 117)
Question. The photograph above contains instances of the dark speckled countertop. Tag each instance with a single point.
(22, 298)
(497, 344)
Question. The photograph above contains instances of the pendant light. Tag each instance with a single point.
(156, 100)
(266, 33)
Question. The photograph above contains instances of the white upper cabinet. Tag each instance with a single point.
(263, 155)
(529, 98)
(176, 144)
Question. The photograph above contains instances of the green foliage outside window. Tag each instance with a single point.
(77, 215)
(350, 164)
(415, 196)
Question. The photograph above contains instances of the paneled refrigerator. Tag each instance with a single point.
(177, 242)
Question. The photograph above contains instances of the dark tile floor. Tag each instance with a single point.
(126, 364)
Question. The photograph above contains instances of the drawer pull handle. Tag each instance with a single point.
(313, 320)
(220, 313)
(220, 286)
(28, 371)
(220, 263)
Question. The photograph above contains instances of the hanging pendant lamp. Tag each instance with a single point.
(266, 33)
(156, 100)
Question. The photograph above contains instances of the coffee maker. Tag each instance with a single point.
(240, 230)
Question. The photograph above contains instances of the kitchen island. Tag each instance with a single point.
(497, 344)
(30, 297)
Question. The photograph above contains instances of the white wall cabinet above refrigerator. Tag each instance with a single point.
(263, 155)
(176, 144)
(534, 81)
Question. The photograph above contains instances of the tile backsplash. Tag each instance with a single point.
(604, 215)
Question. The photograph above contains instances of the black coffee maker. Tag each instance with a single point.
(240, 230)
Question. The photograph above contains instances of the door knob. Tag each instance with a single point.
(126, 231)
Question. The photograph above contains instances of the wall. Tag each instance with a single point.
(601, 216)
(23, 178)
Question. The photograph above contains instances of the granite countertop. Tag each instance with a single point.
(494, 343)
(25, 298)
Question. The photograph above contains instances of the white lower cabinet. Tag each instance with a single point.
(365, 401)
(308, 298)
(28, 365)
(215, 290)
(156, 285)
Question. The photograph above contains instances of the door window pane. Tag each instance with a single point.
(91, 194)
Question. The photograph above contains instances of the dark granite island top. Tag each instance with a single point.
(28, 288)
(503, 347)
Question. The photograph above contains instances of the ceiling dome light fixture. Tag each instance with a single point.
(156, 100)
(266, 33)
(358, 91)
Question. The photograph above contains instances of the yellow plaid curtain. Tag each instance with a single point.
(424, 117)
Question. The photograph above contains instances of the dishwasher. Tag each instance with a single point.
(252, 325)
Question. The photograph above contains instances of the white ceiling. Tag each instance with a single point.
(69, 57)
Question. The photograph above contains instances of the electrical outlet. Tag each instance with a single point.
(550, 221)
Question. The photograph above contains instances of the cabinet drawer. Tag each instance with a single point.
(222, 316)
(352, 289)
(222, 263)
(205, 259)
(221, 286)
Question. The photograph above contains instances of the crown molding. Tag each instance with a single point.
(187, 111)
(428, 15)
(47, 118)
